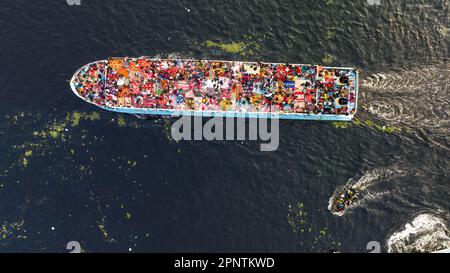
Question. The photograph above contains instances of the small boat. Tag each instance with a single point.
(342, 199)
(172, 87)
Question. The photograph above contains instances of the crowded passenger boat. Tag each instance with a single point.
(146, 86)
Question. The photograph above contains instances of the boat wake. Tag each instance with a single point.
(360, 186)
(415, 100)
(426, 233)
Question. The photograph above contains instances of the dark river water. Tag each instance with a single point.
(72, 172)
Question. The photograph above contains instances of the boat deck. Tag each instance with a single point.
(142, 85)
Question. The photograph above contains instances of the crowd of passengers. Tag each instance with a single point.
(90, 82)
(225, 86)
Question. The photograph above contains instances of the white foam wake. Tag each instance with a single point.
(363, 183)
(426, 233)
(417, 98)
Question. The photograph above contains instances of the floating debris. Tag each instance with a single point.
(387, 129)
(327, 59)
(121, 121)
(128, 215)
(230, 48)
(9, 231)
(132, 163)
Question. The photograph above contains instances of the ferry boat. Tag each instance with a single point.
(172, 87)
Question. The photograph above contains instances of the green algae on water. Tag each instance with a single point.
(53, 134)
(369, 123)
(327, 59)
(357, 122)
(24, 162)
(229, 48)
(12, 230)
(76, 116)
(341, 124)
(132, 163)
(121, 121)
(444, 31)
(103, 230)
(386, 129)
(380, 128)
(242, 48)
(94, 116)
(296, 217)
(330, 33)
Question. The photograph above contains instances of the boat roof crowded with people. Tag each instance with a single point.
(219, 88)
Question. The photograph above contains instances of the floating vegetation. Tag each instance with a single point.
(24, 159)
(296, 218)
(103, 230)
(382, 128)
(444, 31)
(84, 170)
(75, 118)
(128, 215)
(57, 130)
(101, 227)
(357, 122)
(368, 123)
(331, 33)
(94, 116)
(299, 219)
(168, 131)
(132, 163)
(12, 231)
(50, 144)
(19, 116)
(241, 48)
(24, 162)
(327, 59)
(341, 124)
(51, 135)
(385, 129)
(121, 121)
(229, 48)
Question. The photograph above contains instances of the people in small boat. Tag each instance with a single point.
(345, 199)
